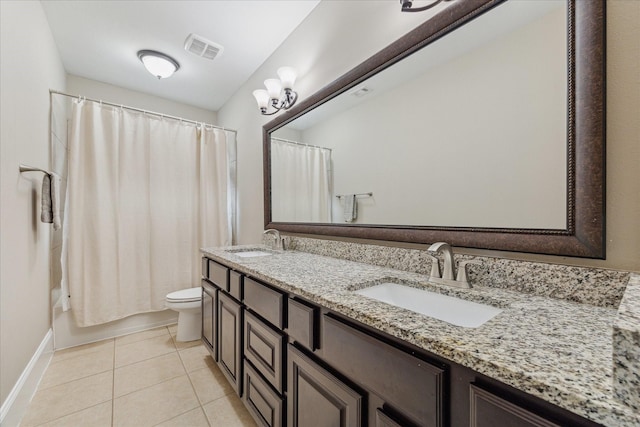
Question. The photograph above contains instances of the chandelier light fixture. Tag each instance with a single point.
(407, 5)
(279, 94)
(158, 64)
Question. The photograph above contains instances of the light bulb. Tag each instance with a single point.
(287, 77)
(262, 98)
(274, 87)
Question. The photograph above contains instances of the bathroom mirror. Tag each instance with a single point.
(483, 127)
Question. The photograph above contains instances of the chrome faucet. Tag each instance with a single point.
(461, 280)
(276, 234)
(438, 247)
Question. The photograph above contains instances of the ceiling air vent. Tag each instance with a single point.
(202, 47)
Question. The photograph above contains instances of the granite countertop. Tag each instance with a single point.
(557, 350)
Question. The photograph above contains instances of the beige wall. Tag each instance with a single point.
(30, 66)
(345, 33)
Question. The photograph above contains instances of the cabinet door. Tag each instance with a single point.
(209, 321)
(384, 420)
(489, 410)
(316, 398)
(230, 340)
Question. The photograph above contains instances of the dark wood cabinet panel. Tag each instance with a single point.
(384, 420)
(264, 348)
(267, 302)
(219, 275)
(302, 323)
(410, 385)
(264, 404)
(230, 340)
(316, 398)
(205, 267)
(209, 319)
(489, 410)
(235, 285)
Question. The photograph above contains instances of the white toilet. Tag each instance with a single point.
(187, 303)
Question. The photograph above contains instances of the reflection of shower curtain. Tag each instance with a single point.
(300, 182)
(144, 194)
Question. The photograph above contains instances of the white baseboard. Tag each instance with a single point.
(15, 405)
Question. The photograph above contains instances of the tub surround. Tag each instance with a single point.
(552, 348)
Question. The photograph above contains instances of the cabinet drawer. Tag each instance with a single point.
(410, 385)
(235, 285)
(263, 403)
(205, 267)
(489, 410)
(264, 348)
(302, 323)
(265, 301)
(219, 275)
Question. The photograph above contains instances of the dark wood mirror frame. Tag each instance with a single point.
(585, 232)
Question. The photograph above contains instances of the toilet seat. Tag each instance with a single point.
(185, 295)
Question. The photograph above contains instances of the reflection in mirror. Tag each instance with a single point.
(514, 167)
(470, 131)
(300, 181)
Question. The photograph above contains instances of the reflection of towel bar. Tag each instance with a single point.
(339, 196)
(25, 168)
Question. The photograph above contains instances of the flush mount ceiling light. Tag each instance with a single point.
(274, 95)
(158, 64)
(407, 5)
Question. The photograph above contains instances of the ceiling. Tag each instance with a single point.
(99, 40)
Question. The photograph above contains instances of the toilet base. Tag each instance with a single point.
(189, 325)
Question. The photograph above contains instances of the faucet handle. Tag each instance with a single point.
(462, 270)
(435, 267)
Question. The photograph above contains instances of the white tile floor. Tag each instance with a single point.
(142, 379)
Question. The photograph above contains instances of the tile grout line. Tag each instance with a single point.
(175, 349)
(206, 417)
(74, 412)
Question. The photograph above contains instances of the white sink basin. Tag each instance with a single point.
(251, 254)
(452, 310)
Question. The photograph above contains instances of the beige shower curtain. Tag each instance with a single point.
(144, 194)
(300, 182)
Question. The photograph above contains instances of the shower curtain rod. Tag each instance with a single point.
(300, 143)
(153, 113)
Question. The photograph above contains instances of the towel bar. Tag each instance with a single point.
(370, 194)
(25, 168)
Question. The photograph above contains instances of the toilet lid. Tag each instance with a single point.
(185, 295)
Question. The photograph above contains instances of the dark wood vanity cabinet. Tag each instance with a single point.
(222, 321)
(301, 365)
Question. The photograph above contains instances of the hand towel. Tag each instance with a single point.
(50, 201)
(350, 207)
(46, 213)
(56, 183)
